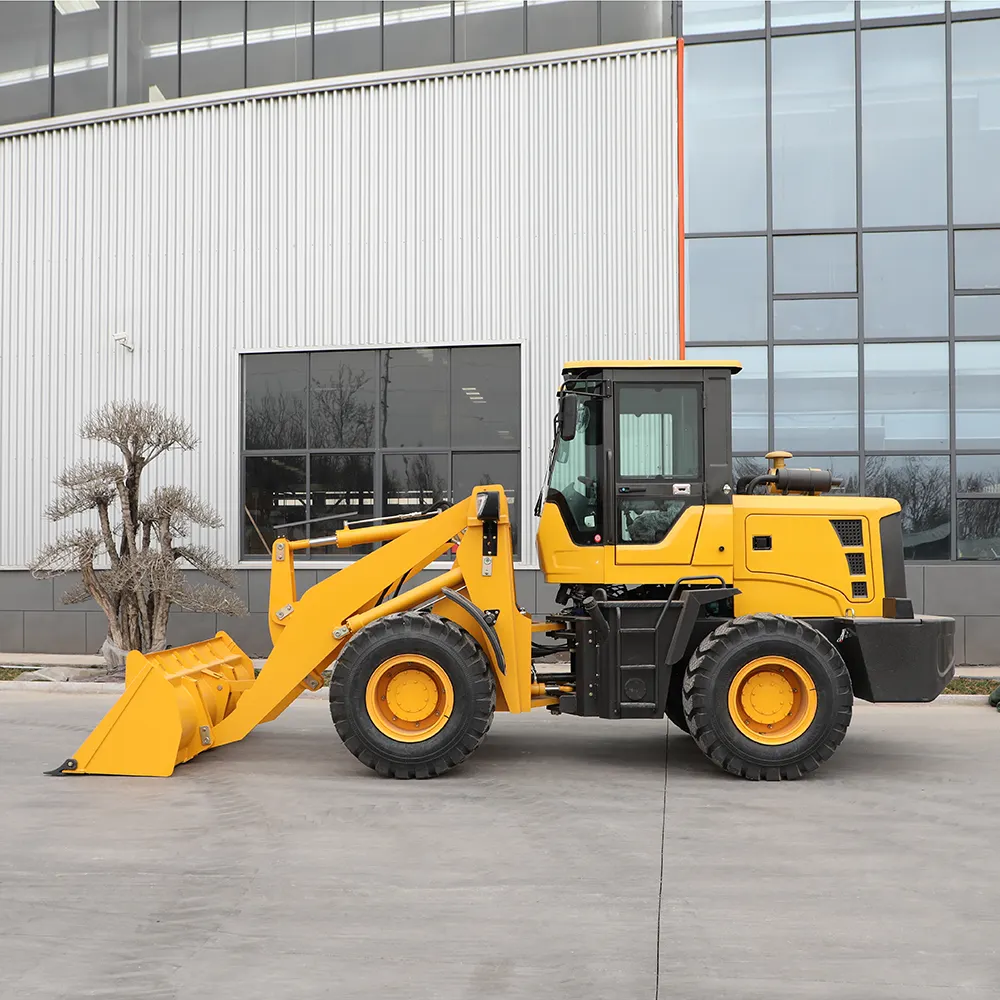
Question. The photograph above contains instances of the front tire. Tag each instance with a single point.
(412, 695)
(767, 697)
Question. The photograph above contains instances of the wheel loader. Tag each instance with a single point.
(750, 613)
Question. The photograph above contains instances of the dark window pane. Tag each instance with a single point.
(705, 17)
(977, 258)
(414, 482)
(342, 397)
(815, 264)
(415, 396)
(24, 61)
(275, 401)
(750, 393)
(977, 394)
(725, 140)
(348, 38)
(816, 398)
(899, 8)
(844, 467)
(485, 29)
(152, 64)
(564, 25)
(659, 432)
(906, 285)
(906, 396)
(977, 315)
(979, 529)
(416, 34)
(484, 469)
(485, 397)
(978, 473)
(813, 131)
(81, 63)
(275, 495)
(647, 521)
(628, 20)
(903, 126)
(788, 12)
(341, 488)
(975, 75)
(922, 487)
(740, 266)
(211, 47)
(279, 41)
(816, 319)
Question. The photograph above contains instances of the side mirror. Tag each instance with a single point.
(567, 416)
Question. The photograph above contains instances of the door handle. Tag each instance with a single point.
(631, 489)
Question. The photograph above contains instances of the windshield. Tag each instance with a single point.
(573, 471)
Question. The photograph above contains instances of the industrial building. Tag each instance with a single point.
(352, 244)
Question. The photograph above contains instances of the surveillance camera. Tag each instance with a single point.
(122, 339)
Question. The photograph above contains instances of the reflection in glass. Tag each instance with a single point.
(899, 8)
(414, 398)
(274, 392)
(472, 469)
(279, 41)
(414, 482)
(977, 315)
(659, 432)
(82, 67)
(348, 37)
(975, 76)
(843, 467)
(977, 258)
(977, 394)
(275, 490)
(415, 34)
(789, 12)
(978, 474)
(816, 319)
(341, 488)
(212, 51)
(816, 398)
(485, 397)
(815, 264)
(485, 29)
(25, 36)
(565, 25)
(710, 16)
(725, 140)
(921, 484)
(906, 285)
(740, 266)
(813, 130)
(749, 389)
(979, 529)
(903, 153)
(906, 396)
(152, 33)
(342, 399)
(629, 20)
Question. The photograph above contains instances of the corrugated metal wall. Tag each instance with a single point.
(533, 202)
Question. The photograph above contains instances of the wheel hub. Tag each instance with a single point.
(411, 695)
(772, 700)
(409, 698)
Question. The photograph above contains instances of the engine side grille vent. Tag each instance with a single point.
(859, 589)
(856, 563)
(849, 533)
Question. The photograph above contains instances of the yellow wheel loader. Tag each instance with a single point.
(752, 613)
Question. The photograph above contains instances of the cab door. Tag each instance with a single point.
(658, 477)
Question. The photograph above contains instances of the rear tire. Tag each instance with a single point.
(718, 685)
(446, 661)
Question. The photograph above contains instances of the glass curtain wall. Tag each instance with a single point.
(843, 242)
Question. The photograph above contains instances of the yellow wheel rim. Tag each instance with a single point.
(409, 698)
(772, 700)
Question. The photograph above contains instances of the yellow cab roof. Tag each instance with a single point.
(733, 366)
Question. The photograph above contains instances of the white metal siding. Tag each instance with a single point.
(532, 203)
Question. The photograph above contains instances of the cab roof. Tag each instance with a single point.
(574, 366)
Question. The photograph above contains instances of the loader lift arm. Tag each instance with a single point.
(182, 701)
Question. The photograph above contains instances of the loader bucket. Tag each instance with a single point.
(166, 715)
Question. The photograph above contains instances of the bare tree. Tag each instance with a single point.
(132, 566)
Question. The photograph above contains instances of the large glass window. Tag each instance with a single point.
(977, 315)
(151, 33)
(212, 50)
(749, 393)
(903, 146)
(906, 397)
(416, 34)
(706, 17)
(792, 12)
(485, 29)
(977, 395)
(25, 38)
(279, 41)
(816, 319)
(977, 258)
(975, 126)
(348, 37)
(566, 25)
(813, 131)
(906, 285)
(725, 137)
(899, 8)
(82, 66)
(816, 398)
(739, 266)
(820, 264)
(334, 436)
(921, 484)
(978, 506)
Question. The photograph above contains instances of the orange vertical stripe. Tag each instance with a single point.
(680, 192)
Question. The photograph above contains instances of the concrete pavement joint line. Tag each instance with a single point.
(663, 847)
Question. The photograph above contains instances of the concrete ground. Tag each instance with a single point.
(280, 867)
